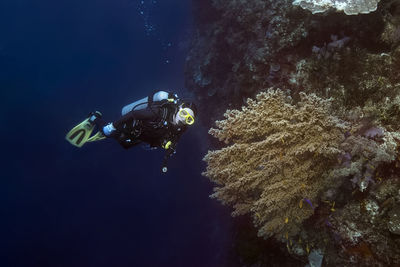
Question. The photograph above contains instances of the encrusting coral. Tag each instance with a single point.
(282, 156)
(350, 7)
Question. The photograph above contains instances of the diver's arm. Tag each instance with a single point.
(128, 142)
(170, 149)
(168, 153)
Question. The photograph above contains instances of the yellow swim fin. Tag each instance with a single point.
(97, 137)
(80, 134)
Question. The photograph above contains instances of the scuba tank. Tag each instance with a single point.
(144, 102)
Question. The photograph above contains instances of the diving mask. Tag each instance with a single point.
(184, 113)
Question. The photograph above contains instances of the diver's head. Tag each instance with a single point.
(185, 114)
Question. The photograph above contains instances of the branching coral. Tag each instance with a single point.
(277, 162)
(281, 157)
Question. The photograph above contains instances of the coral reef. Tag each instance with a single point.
(276, 164)
(283, 161)
(242, 47)
(249, 45)
(274, 146)
(235, 55)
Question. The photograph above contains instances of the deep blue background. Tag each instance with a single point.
(99, 205)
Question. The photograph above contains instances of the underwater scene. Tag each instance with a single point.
(226, 133)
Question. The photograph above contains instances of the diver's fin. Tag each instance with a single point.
(80, 134)
(97, 137)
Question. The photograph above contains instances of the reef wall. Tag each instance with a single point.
(350, 215)
(247, 46)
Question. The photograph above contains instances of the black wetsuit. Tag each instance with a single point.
(152, 125)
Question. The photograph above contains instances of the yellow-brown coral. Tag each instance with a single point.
(279, 154)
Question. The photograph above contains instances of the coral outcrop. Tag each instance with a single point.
(282, 156)
(242, 47)
(276, 164)
(350, 7)
(284, 160)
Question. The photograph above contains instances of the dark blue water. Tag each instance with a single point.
(99, 205)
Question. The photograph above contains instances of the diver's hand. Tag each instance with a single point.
(164, 169)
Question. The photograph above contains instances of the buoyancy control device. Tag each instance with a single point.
(146, 101)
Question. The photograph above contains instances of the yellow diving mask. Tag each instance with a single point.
(183, 113)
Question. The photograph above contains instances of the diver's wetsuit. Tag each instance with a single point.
(152, 125)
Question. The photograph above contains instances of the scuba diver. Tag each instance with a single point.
(158, 120)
